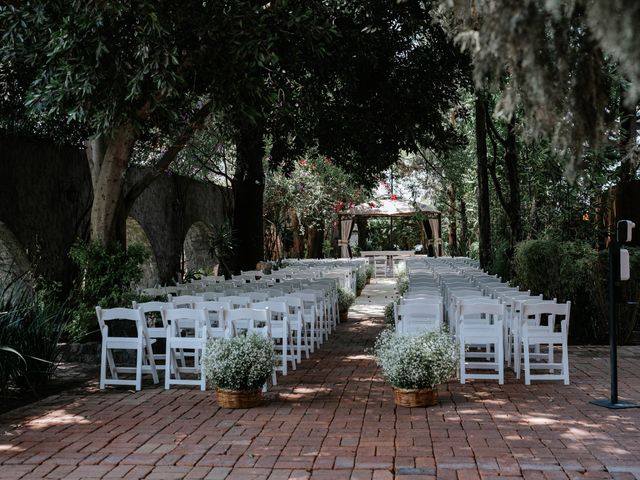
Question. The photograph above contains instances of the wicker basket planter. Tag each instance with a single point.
(238, 398)
(344, 316)
(416, 397)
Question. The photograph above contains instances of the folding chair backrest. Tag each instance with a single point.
(121, 314)
(551, 309)
(149, 308)
(215, 312)
(416, 319)
(186, 318)
(185, 301)
(236, 301)
(249, 319)
(474, 310)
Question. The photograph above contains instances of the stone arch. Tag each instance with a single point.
(136, 234)
(14, 262)
(196, 253)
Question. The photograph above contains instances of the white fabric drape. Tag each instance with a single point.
(434, 223)
(345, 233)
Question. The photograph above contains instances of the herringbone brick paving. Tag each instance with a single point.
(334, 418)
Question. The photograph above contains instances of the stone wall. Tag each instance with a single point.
(45, 202)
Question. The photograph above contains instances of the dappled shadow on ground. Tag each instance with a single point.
(336, 412)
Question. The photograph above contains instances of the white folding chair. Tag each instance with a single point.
(296, 324)
(380, 266)
(140, 343)
(216, 325)
(534, 333)
(155, 324)
(311, 317)
(184, 301)
(181, 320)
(418, 318)
(251, 320)
(236, 301)
(280, 332)
(481, 324)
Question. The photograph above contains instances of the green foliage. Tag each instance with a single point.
(361, 281)
(108, 276)
(423, 361)
(31, 323)
(222, 245)
(575, 271)
(403, 235)
(402, 282)
(244, 362)
(389, 317)
(346, 298)
(369, 271)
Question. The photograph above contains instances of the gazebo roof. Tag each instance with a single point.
(390, 207)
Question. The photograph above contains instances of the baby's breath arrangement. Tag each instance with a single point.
(239, 363)
(423, 361)
(402, 283)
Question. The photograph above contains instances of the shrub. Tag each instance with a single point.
(389, 317)
(346, 298)
(423, 361)
(31, 323)
(244, 362)
(575, 271)
(107, 278)
(361, 281)
(369, 272)
(402, 283)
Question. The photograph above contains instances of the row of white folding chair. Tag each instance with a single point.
(317, 334)
(216, 323)
(416, 318)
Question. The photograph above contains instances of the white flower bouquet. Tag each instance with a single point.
(418, 362)
(242, 363)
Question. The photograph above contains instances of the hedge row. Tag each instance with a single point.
(575, 271)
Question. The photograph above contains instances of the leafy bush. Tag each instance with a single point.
(107, 278)
(424, 361)
(346, 298)
(361, 281)
(389, 317)
(575, 271)
(31, 323)
(402, 283)
(369, 272)
(244, 362)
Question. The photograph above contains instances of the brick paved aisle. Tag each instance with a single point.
(334, 418)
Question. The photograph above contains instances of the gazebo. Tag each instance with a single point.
(391, 207)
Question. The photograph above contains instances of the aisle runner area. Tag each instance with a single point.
(334, 418)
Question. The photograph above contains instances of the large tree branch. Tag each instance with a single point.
(493, 130)
(163, 163)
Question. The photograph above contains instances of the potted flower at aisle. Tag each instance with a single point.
(346, 298)
(415, 366)
(238, 367)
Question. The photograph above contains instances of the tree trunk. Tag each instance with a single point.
(463, 244)
(107, 220)
(484, 213)
(513, 178)
(363, 232)
(248, 190)
(628, 135)
(453, 226)
(297, 248)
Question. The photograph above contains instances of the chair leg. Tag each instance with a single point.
(103, 366)
(203, 378)
(500, 360)
(139, 354)
(463, 376)
(527, 364)
(168, 365)
(565, 361)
